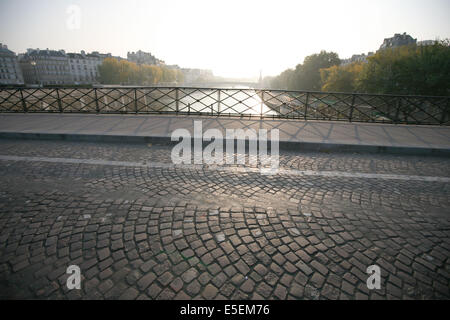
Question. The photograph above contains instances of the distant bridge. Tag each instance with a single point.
(223, 84)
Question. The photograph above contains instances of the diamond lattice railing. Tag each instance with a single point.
(230, 102)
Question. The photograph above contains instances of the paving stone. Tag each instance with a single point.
(129, 294)
(261, 270)
(193, 288)
(264, 290)
(296, 290)
(176, 284)
(248, 286)
(280, 292)
(209, 292)
(145, 281)
(154, 290)
(165, 278)
(189, 275)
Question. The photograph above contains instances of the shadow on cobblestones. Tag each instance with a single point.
(152, 233)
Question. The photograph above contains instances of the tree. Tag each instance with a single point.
(283, 81)
(113, 71)
(128, 72)
(418, 70)
(306, 76)
(149, 75)
(168, 75)
(180, 76)
(109, 71)
(341, 78)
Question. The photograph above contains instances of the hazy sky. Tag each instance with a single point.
(231, 37)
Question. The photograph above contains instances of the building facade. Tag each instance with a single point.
(426, 42)
(356, 58)
(398, 40)
(141, 57)
(84, 67)
(10, 72)
(45, 67)
(50, 67)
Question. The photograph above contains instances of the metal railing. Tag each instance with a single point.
(261, 103)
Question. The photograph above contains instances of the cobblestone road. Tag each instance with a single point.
(142, 232)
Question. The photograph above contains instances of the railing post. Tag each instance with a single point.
(351, 108)
(445, 111)
(177, 106)
(135, 101)
(24, 104)
(218, 101)
(189, 108)
(388, 111)
(97, 108)
(397, 112)
(306, 105)
(59, 101)
(262, 103)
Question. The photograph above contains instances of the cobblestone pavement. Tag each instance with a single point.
(188, 233)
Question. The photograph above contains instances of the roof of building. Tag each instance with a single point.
(5, 51)
(398, 40)
(48, 53)
(75, 56)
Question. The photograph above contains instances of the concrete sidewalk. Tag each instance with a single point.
(294, 134)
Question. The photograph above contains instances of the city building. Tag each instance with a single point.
(356, 58)
(84, 67)
(398, 40)
(45, 67)
(141, 57)
(173, 66)
(426, 42)
(10, 72)
(50, 67)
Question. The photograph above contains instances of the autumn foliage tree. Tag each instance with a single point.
(341, 78)
(113, 71)
(409, 70)
(418, 70)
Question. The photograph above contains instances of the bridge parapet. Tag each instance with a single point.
(237, 102)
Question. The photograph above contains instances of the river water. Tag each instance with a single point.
(231, 101)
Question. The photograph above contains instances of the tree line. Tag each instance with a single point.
(113, 71)
(416, 70)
